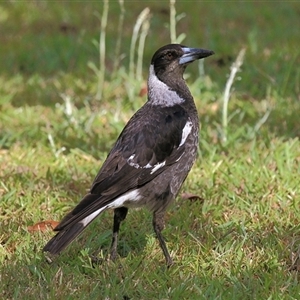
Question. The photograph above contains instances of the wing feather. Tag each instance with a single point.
(146, 141)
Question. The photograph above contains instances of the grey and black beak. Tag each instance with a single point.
(191, 54)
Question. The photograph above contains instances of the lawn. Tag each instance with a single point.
(233, 230)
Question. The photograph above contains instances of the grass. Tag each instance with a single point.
(238, 240)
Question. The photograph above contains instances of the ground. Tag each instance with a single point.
(234, 229)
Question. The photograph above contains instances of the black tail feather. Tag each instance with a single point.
(75, 222)
(61, 240)
(89, 204)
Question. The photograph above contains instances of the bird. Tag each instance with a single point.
(151, 158)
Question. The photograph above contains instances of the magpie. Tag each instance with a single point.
(150, 159)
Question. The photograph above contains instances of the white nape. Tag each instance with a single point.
(159, 92)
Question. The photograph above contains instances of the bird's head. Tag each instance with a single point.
(166, 86)
(174, 58)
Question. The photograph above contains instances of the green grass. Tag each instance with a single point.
(239, 240)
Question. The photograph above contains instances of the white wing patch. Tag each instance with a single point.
(131, 163)
(87, 220)
(180, 157)
(148, 166)
(135, 165)
(157, 166)
(185, 132)
(132, 196)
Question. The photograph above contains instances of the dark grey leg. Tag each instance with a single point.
(119, 216)
(158, 226)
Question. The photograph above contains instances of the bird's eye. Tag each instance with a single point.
(169, 55)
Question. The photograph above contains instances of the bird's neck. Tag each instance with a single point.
(168, 91)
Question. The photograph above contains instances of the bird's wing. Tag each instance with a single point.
(145, 148)
(148, 144)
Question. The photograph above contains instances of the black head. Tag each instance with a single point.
(174, 57)
(166, 72)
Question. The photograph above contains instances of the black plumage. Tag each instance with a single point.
(151, 158)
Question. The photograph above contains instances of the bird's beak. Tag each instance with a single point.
(191, 54)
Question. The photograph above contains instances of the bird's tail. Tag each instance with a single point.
(61, 240)
(73, 224)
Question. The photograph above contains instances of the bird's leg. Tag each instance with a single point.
(119, 216)
(158, 226)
